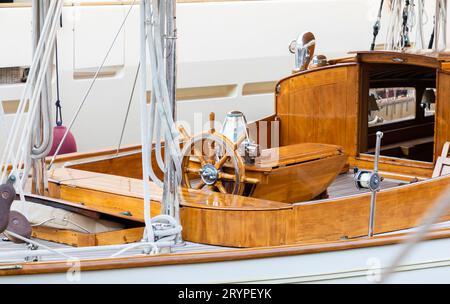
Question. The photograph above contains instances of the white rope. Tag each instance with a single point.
(422, 20)
(164, 229)
(393, 30)
(417, 18)
(148, 233)
(159, 83)
(19, 117)
(443, 23)
(26, 138)
(156, 120)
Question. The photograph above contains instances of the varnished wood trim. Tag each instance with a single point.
(431, 60)
(84, 155)
(317, 70)
(394, 165)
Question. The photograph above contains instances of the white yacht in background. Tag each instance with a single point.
(231, 54)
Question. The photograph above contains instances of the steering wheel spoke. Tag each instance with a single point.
(222, 161)
(221, 187)
(200, 185)
(227, 177)
(196, 171)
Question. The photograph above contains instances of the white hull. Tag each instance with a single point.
(429, 263)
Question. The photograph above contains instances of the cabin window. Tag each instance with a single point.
(390, 105)
(398, 100)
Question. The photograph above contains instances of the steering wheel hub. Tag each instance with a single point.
(209, 174)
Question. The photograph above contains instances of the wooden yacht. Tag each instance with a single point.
(324, 190)
(311, 208)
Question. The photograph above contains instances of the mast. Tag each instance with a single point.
(41, 138)
(168, 23)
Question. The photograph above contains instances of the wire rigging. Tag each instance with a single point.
(128, 109)
(58, 111)
(377, 26)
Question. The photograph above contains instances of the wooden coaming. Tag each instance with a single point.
(401, 167)
(348, 217)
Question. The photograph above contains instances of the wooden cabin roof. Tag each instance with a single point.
(438, 60)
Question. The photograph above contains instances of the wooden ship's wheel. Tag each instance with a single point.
(213, 161)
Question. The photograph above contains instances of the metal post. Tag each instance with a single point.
(373, 198)
(40, 10)
(36, 9)
(170, 34)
